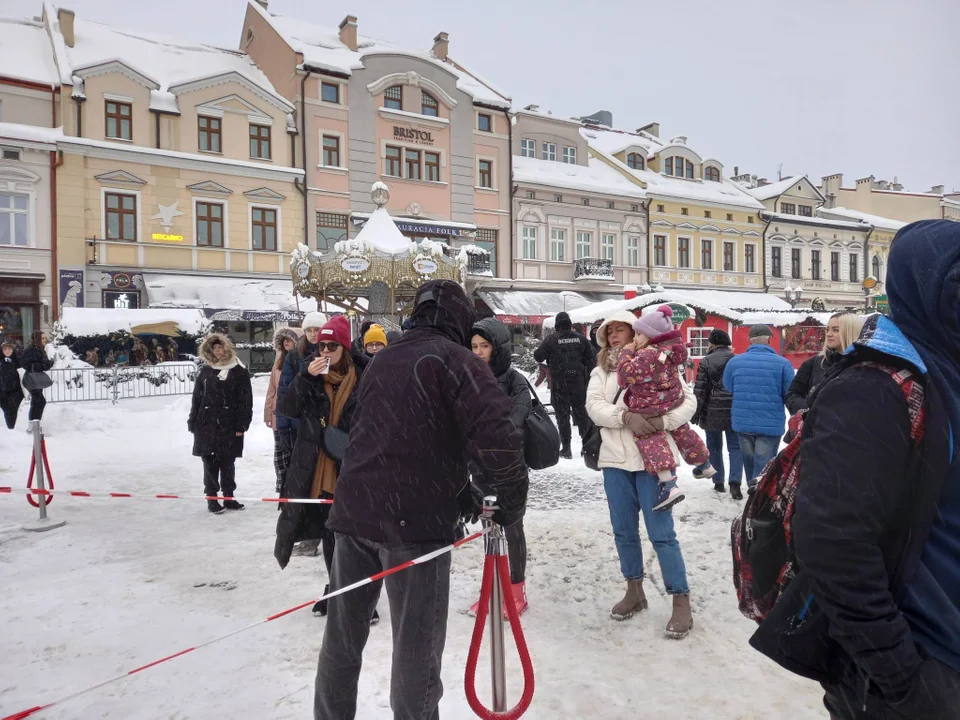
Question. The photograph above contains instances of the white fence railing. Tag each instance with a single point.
(120, 383)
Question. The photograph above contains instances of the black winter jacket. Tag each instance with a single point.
(570, 357)
(512, 383)
(9, 377)
(35, 359)
(424, 408)
(714, 401)
(809, 375)
(220, 408)
(306, 401)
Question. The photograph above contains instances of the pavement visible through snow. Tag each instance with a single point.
(126, 582)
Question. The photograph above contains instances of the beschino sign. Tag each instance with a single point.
(418, 136)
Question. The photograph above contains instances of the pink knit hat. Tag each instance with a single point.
(653, 324)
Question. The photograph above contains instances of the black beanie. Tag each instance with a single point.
(719, 337)
(562, 321)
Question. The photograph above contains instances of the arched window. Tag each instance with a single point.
(876, 267)
(428, 105)
(393, 98)
(635, 161)
(711, 173)
(676, 165)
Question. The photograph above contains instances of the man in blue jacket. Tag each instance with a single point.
(759, 380)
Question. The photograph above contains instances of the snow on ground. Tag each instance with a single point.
(126, 582)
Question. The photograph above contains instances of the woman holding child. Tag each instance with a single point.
(630, 489)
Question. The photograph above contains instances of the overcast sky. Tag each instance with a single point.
(857, 87)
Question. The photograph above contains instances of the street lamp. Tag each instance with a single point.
(792, 295)
(565, 294)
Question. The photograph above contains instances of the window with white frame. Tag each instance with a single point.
(529, 242)
(683, 252)
(570, 155)
(528, 148)
(584, 243)
(750, 258)
(549, 151)
(14, 219)
(633, 251)
(698, 340)
(606, 246)
(660, 250)
(558, 240)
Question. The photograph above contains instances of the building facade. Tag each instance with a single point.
(578, 222)
(29, 90)
(889, 199)
(704, 231)
(369, 111)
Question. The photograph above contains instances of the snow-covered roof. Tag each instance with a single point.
(840, 213)
(167, 65)
(818, 221)
(30, 133)
(772, 190)
(381, 233)
(223, 293)
(785, 319)
(321, 48)
(596, 177)
(104, 321)
(728, 304)
(25, 52)
(725, 192)
(530, 303)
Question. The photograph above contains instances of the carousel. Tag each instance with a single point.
(377, 273)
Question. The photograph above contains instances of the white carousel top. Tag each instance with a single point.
(379, 232)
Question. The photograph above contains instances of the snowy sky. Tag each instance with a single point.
(854, 86)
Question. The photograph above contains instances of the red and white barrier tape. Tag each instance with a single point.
(372, 579)
(164, 496)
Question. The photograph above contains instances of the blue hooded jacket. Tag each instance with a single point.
(923, 285)
(759, 380)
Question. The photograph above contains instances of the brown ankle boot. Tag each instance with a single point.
(681, 622)
(632, 602)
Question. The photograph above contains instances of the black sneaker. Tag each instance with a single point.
(214, 507)
(565, 452)
(232, 504)
(720, 488)
(735, 492)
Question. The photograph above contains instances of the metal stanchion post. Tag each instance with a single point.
(496, 545)
(44, 523)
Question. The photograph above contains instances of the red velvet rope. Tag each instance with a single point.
(49, 476)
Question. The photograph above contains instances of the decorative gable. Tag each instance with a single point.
(120, 176)
(209, 187)
(265, 193)
(709, 228)
(115, 66)
(230, 104)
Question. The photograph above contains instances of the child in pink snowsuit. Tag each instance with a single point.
(650, 376)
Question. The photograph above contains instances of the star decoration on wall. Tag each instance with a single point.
(167, 214)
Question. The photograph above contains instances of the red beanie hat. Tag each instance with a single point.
(337, 329)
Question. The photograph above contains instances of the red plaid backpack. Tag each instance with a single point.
(762, 538)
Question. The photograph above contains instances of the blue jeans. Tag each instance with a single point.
(757, 451)
(629, 493)
(715, 446)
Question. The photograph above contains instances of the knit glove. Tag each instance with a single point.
(641, 425)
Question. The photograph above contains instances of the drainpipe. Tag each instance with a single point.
(649, 246)
(56, 160)
(79, 104)
(303, 140)
(506, 114)
(866, 264)
(766, 288)
(156, 117)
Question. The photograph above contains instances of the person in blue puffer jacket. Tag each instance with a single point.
(759, 380)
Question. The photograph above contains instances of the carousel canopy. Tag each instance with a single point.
(380, 232)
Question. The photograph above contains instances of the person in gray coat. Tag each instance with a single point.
(714, 405)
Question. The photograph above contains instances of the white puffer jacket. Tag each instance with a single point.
(619, 448)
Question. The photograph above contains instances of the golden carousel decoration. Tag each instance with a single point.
(380, 265)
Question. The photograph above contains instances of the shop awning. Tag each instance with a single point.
(228, 298)
(82, 322)
(530, 306)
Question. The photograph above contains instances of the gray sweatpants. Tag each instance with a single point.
(419, 599)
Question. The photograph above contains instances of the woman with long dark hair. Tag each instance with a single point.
(284, 342)
(34, 359)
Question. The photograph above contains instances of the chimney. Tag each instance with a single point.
(65, 18)
(679, 140)
(761, 182)
(263, 4)
(441, 46)
(937, 190)
(348, 32)
(532, 108)
(651, 129)
(736, 170)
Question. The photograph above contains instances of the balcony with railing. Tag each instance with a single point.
(589, 268)
(478, 259)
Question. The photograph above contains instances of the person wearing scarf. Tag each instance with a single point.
(220, 414)
(321, 397)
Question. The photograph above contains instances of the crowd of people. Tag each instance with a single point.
(34, 362)
(408, 432)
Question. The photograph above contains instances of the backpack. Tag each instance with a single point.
(764, 563)
(541, 439)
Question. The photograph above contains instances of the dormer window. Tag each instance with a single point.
(675, 166)
(393, 98)
(119, 120)
(429, 105)
(635, 161)
(711, 174)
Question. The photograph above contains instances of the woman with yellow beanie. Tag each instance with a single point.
(374, 340)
